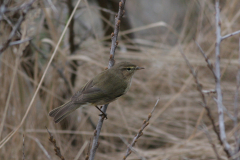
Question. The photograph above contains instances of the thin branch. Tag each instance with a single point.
(12, 10)
(12, 34)
(88, 151)
(229, 35)
(56, 148)
(236, 104)
(226, 146)
(199, 89)
(140, 133)
(20, 41)
(16, 27)
(209, 64)
(114, 35)
(8, 21)
(132, 148)
(205, 130)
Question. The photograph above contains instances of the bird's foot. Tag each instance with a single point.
(104, 115)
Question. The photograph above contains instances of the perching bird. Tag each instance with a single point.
(102, 89)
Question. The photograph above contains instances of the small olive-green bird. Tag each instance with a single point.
(102, 89)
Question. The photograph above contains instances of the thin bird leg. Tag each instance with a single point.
(102, 113)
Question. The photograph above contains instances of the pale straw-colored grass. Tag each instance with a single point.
(173, 132)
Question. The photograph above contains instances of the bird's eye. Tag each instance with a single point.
(128, 69)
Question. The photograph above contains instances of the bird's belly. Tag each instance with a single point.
(102, 102)
(86, 105)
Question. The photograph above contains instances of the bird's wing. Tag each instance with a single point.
(88, 85)
(89, 94)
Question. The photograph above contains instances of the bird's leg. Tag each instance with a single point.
(102, 113)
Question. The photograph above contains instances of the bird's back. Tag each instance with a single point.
(102, 89)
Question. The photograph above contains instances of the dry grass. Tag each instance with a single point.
(173, 132)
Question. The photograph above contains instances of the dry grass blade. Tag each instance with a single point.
(41, 146)
(6, 139)
(173, 132)
(81, 150)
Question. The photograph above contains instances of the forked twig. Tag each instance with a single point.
(140, 133)
(229, 35)
(209, 64)
(199, 89)
(205, 130)
(16, 27)
(219, 99)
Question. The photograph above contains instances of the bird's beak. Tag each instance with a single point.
(138, 68)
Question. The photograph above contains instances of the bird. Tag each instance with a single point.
(104, 88)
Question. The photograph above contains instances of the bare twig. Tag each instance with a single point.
(16, 27)
(56, 148)
(140, 133)
(236, 104)
(8, 21)
(12, 34)
(226, 146)
(20, 41)
(132, 148)
(199, 88)
(209, 64)
(89, 147)
(114, 35)
(5, 10)
(229, 35)
(205, 129)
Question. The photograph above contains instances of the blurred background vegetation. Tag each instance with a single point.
(150, 36)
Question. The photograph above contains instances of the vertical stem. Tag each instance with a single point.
(110, 65)
(236, 105)
(218, 82)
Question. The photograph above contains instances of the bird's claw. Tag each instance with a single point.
(104, 115)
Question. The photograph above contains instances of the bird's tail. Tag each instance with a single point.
(63, 111)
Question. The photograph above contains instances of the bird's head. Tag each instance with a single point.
(127, 69)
